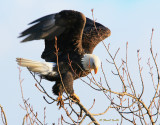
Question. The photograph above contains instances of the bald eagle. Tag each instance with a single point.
(77, 36)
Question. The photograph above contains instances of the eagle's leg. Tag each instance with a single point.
(58, 90)
(68, 85)
(75, 97)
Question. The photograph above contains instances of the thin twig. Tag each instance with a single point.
(3, 116)
(154, 59)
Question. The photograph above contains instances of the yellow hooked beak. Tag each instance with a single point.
(95, 70)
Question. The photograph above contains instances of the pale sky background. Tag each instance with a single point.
(128, 20)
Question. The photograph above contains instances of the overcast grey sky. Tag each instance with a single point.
(128, 20)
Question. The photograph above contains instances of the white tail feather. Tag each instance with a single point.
(42, 68)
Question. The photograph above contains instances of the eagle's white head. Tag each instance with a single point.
(91, 62)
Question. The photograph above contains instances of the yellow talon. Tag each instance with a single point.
(60, 101)
(75, 97)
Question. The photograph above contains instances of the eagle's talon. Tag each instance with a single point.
(60, 101)
(75, 97)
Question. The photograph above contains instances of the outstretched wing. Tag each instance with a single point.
(66, 25)
(93, 34)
